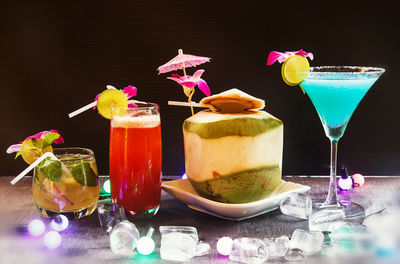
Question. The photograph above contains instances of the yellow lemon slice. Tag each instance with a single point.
(30, 155)
(112, 102)
(293, 70)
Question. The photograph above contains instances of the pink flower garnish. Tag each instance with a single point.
(282, 56)
(13, 148)
(17, 147)
(191, 81)
(39, 135)
(129, 91)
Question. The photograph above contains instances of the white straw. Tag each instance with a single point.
(83, 109)
(87, 107)
(188, 104)
(33, 165)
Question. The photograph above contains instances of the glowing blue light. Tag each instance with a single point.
(52, 240)
(224, 246)
(184, 176)
(107, 186)
(36, 227)
(59, 223)
(145, 245)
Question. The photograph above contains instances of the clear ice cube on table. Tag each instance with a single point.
(297, 205)
(109, 215)
(123, 238)
(178, 246)
(248, 250)
(277, 247)
(202, 248)
(295, 254)
(352, 241)
(324, 219)
(309, 242)
(189, 230)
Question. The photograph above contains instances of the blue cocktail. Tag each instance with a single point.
(335, 92)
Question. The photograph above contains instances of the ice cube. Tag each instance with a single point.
(352, 241)
(123, 238)
(309, 242)
(297, 205)
(277, 247)
(189, 230)
(248, 250)
(177, 246)
(326, 218)
(295, 254)
(202, 249)
(109, 215)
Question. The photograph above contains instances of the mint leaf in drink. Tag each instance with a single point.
(35, 143)
(26, 149)
(84, 174)
(49, 138)
(51, 169)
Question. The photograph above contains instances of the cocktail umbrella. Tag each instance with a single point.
(180, 62)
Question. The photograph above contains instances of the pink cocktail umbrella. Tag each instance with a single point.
(180, 62)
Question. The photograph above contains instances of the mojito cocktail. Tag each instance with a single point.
(67, 186)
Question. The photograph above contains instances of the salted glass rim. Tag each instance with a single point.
(317, 72)
(89, 154)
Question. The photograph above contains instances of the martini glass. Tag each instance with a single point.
(336, 92)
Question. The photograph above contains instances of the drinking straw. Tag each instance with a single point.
(192, 104)
(87, 107)
(83, 109)
(33, 165)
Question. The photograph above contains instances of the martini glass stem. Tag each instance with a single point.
(331, 199)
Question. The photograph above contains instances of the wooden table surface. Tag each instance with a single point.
(85, 242)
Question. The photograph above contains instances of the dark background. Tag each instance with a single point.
(57, 55)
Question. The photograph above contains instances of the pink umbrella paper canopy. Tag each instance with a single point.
(182, 61)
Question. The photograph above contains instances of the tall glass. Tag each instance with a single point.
(67, 186)
(135, 159)
(335, 92)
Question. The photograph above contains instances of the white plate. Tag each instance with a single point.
(183, 190)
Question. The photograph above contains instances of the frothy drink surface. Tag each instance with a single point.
(136, 121)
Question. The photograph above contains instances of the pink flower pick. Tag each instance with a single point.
(42, 134)
(282, 56)
(191, 81)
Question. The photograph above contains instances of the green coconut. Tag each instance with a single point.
(233, 157)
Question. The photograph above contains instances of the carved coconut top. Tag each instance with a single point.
(234, 101)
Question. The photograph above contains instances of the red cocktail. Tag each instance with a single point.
(135, 160)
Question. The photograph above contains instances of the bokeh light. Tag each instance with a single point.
(36, 227)
(59, 223)
(52, 240)
(107, 186)
(358, 180)
(224, 245)
(145, 245)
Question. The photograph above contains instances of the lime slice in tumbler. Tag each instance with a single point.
(30, 155)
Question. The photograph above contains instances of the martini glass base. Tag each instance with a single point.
(325, 217)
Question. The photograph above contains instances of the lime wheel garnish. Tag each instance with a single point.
(29, 154)
(112, 102)
(294, 70)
